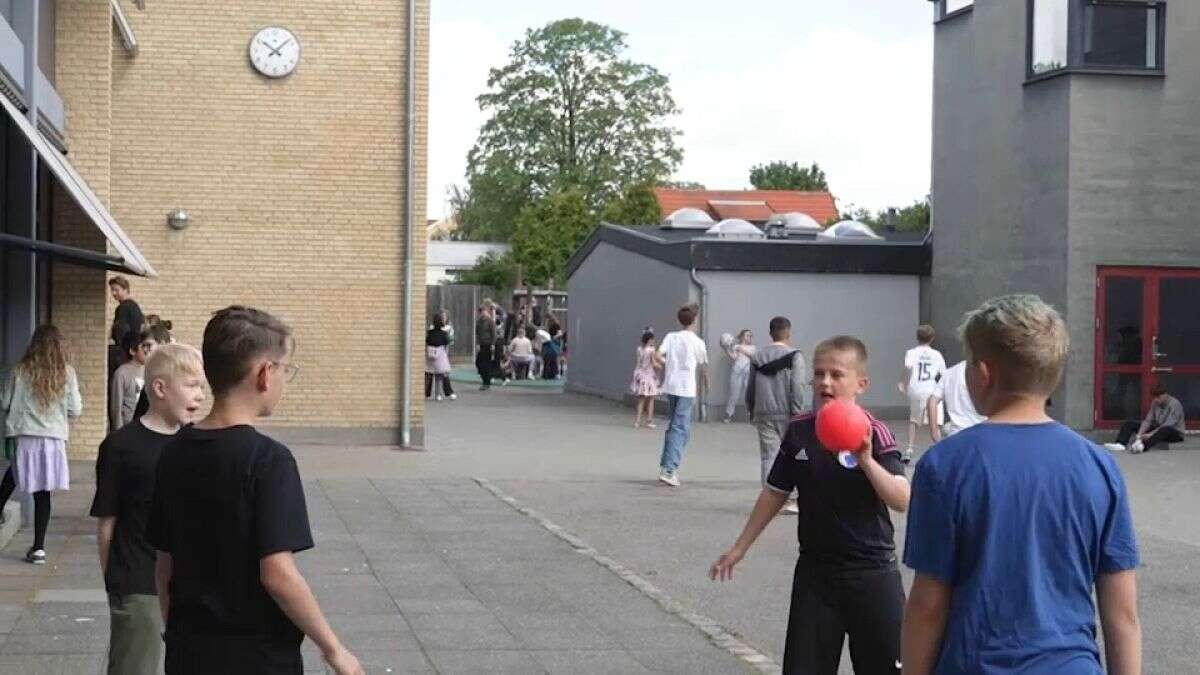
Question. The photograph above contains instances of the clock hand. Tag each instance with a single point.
(281, 46)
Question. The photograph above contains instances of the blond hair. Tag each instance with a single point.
(174, 360)
(1024, 336)
(44, 365)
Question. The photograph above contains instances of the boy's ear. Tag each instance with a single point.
(262, 376)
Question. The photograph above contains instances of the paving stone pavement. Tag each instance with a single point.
(417, 576)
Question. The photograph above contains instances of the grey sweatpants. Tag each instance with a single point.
(770, 434)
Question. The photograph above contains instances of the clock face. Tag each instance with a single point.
(274, 51)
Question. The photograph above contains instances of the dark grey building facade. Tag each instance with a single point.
(1066, 157)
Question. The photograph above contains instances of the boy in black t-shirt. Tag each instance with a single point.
(124, 486)
(846, 580)
(229, 513)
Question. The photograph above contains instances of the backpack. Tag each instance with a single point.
(769, 369)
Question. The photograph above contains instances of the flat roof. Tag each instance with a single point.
(897, 253)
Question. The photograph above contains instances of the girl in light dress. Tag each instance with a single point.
(645, 380)
(740, 351)
(41, 399)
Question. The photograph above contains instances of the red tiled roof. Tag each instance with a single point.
(819, 205)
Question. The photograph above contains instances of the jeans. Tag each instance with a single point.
(738, 377)
(679, 428)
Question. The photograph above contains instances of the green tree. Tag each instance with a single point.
(914, 217)
(682, 185)
(636, 205)
(548, 232)
(911, 218)
(567, 112)
(788, 176)
(493, 270)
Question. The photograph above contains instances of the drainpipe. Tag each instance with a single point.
(410, 132)
(703, 398)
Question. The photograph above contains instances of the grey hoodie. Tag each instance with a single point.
(780, 394)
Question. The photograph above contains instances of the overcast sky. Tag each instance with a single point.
(845, 83)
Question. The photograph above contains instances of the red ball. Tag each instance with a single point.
(842, 425)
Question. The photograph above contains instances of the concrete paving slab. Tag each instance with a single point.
(584, 662)
(485, 661)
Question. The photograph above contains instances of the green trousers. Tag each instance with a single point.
(135, 645)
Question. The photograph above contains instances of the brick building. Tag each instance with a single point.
(295, 186)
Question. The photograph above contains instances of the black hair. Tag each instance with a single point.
(647, 335)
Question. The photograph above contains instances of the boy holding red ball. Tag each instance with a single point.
(846, 579)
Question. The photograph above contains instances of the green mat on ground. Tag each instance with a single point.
(469, 376)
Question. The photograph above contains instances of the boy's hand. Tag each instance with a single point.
(722, 570)
(903, 389)
(864, 450)
(344, 663)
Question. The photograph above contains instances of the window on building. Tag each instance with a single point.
(1104, 35)
(1121, 34)
(944, 8)
(1048, 40)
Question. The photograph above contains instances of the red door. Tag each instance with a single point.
(1147, 331)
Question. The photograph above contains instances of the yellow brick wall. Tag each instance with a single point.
(84, 77)
(295, 186)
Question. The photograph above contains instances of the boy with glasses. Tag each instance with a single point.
(129, 378)
(229, 514)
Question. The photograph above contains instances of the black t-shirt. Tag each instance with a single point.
(842, 525)
(125, 473)
(127, 319)
(226, 498)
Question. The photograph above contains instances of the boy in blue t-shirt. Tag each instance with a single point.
(1014, 521)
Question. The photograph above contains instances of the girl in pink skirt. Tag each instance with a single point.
(645, 380)
(40, 397)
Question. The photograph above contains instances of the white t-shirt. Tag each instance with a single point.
(925, 364)
(684, 352)
(953, 392)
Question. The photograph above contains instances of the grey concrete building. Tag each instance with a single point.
(623, 279)
(1066, 156)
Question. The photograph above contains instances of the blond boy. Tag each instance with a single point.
(846, 579)
(125, 472)
(1014, 521)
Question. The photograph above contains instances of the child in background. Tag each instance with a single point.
(437, 360)
(923, 369)
(41, 398)
(645, 381)
(740, 351)
(1016, 520)
(684, 356)
(128, 380)
(846, 580)
(125, 471)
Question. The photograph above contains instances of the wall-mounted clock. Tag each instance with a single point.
(274, 51)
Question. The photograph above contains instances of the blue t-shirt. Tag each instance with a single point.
(1019, 520)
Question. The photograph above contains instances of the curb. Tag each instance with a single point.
(717, 634)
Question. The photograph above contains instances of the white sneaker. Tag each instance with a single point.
(453, 397)
(438, 397)
(908, 455)
(790, 509)
(1114, 447)
(1137, 446)
(669, 477)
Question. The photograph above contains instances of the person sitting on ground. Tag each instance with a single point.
(1163, 425)
(125, 471)
(228, 515)
(128, 380)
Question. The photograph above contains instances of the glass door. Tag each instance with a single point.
(1147, 332)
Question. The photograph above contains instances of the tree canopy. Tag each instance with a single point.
(567, 112)
(550, 230)
(636, 205)
(788, 176)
